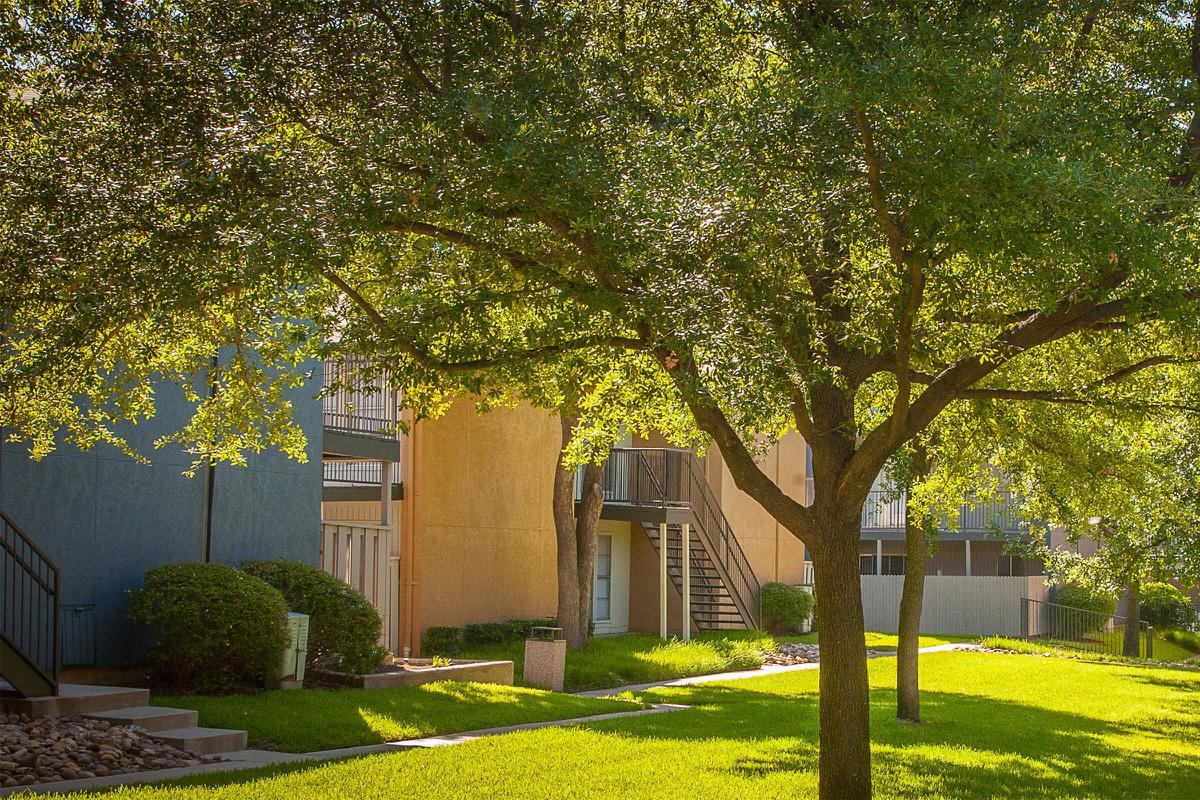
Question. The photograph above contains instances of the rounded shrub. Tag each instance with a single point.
(1082, 597)
(216, 629)
(343, 626)
(1165, 606)
(785, 609)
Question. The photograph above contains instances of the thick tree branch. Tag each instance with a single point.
(747, 475)
(897, 239)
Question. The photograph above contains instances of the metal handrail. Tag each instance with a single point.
(1080, 628)
(352, 405)
(30, 591)
(662, 477)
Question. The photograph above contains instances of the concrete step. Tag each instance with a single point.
(150, 718)
(74, 700)
(204, 740)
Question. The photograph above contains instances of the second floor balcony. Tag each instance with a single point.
(883, 516)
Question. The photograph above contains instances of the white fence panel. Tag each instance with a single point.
(361, 555)
(976, 605)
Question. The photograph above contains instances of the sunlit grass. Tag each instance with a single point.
(635, 658)
(995, 726)
(321, 719)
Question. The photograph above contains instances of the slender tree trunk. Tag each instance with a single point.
(576, 541)
(1133, 621)
(590, 506)
(567, 550)
(908, 687)
(845, 756)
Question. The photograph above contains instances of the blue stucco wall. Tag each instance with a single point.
(105, 519)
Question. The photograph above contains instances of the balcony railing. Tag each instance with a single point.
(884, 512)
(354, 405)
(356, 473)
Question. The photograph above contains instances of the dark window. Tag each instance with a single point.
(866, 565)
(1010, 565)
(893, 565)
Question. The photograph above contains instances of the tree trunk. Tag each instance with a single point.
(590, 506)
(576, 540)
(1133, 621)
(845, 756)
(908, 687)
(567, 550)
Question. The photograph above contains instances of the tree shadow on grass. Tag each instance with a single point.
(969, 747)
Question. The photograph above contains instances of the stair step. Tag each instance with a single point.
(205, 741)
(150, 718)
(75, 700)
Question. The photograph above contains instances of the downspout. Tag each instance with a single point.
(210, 477)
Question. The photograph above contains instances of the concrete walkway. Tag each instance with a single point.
(769, 669)
(249, 759)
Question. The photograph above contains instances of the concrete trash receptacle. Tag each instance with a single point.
(546, 658)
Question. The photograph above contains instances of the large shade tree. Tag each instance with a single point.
(783, 207)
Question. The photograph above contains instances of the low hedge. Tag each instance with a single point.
(343, 627)
(442, 641)
(216, 629)
(785, 609)
(1087, 599)
(449, 641)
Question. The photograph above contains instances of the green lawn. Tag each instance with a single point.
(323, 719)
(631, 658)
(995, 726)
(1163, 650)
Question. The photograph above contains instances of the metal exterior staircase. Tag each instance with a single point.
(662, 486)
(29, 614)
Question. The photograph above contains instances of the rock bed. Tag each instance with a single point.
(41, 750)
(790, 653)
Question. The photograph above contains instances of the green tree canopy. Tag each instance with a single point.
(786, 209)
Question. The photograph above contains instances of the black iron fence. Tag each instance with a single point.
(1081, 629)
(29, 599)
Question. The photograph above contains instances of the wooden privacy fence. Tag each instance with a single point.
(967, 604)
(366, 557)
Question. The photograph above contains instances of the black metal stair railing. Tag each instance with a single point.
(664, 477)
(30, 595)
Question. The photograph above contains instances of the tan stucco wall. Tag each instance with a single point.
(485, 545)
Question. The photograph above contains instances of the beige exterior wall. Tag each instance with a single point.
(775, 554)
(484, 528)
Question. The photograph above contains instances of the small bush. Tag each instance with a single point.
(442, 641)
(1165, 606)
(785, 608)
(487, 633)
(343, 626)
(523, 628)
(1188, 640)
(1087, 599)
(216, 629)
